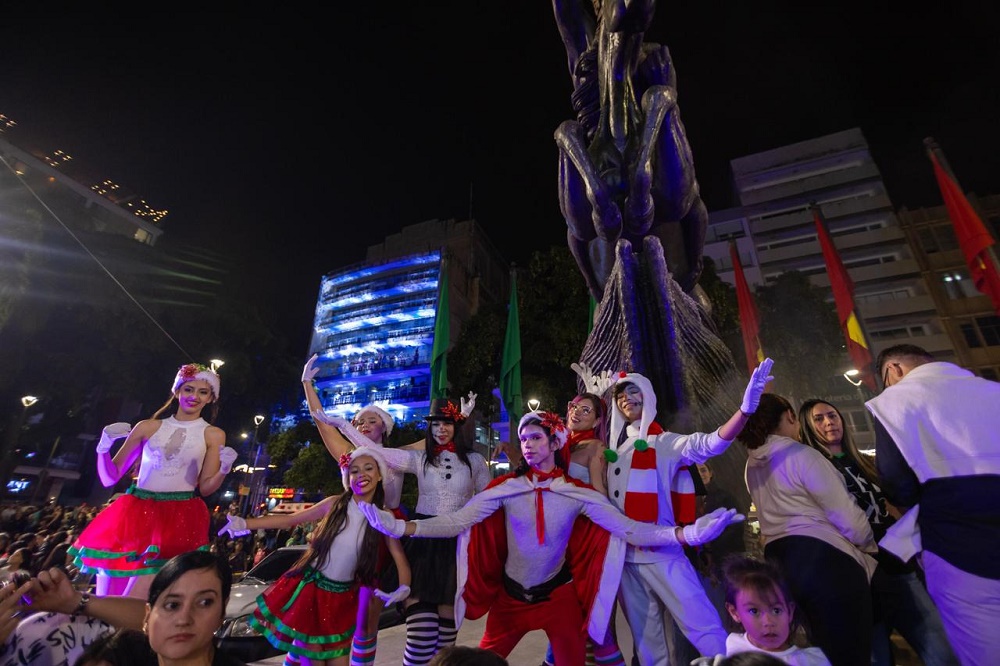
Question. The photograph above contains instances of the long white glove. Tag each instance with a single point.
(390, 598)
(344, 426)
(310, 370)
(111, 434)
(227, 456)
(710, 526)
(758, 382)
(382, 520)
(235, 526)
(468, 405)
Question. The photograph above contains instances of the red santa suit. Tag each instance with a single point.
(547, 553)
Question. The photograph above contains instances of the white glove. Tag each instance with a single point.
(111, 434)
(390, 598)
(344, 426)
(468, 406)
(593, 383)
(710, 526)
(758, 382)
(382, 520)
(310, 370)
(227, 456)
(235, 526)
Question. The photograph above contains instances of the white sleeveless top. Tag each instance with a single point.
(173, 457)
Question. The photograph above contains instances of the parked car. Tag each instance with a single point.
(236, 636)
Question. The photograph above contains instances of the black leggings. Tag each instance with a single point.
(833, 594)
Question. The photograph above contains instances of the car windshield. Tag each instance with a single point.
(275, 564)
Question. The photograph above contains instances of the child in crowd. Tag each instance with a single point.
(758, 599)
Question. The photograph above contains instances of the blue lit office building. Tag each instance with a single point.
(374, 323)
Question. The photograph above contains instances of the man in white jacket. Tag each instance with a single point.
(937, 442)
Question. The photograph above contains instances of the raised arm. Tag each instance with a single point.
(52, 591)
(333, 440)
(238, 526)
(751, 398)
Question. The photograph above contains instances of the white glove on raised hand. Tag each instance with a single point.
(389, 598)
(345, 427)
(710, 526)
(383, 521)
(309, 371)
(468, 405)
(758, 382)
(227, 456)
(111, 434)
(235, 526)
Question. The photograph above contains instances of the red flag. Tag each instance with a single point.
(973, 237)
(749, 319)
(843, 296)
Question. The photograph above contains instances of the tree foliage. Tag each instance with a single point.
(799, 330)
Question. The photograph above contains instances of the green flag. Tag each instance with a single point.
(442, 326)
(510, 366)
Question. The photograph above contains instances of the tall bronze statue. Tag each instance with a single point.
(625, 167)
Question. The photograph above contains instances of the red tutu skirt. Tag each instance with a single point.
(140, 531)
(308, 614)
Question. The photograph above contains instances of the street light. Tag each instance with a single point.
(850, 374)
(533, 404)
(28, 400)
(850, 377)
(215, 364)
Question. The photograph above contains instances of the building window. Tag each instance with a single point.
(982, 332)
(899, 333)
(940, 238)
(957, 284)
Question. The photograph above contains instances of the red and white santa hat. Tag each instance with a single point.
(192, 371)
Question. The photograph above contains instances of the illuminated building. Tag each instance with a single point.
(374, 322)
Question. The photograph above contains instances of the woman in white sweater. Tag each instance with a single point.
(813, 530)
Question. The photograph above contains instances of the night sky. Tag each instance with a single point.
(293, 142)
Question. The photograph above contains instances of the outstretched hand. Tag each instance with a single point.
(382, 520)
(499, 450)
(710, 526)
(758, 382)
(227, 456)
(235, 526)
(390, 598)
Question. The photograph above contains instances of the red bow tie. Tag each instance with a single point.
(441, 448)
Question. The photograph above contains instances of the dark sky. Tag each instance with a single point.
(294, 140)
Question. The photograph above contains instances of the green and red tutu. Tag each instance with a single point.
(138, 532)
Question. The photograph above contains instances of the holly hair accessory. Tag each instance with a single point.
(192, 371)
(449, 409)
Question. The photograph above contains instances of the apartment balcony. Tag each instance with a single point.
(809, 187)
(896, 308)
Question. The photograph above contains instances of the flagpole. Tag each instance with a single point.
(510, 373)
(987, 254)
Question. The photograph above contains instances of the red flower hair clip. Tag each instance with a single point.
(345, 460)
(552, 422)
(452, 412)
(189, 371)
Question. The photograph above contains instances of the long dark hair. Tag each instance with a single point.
(123, 647)
(764, 421)
(181, 564)
(809, 437)
(332, 524)
(462, 449)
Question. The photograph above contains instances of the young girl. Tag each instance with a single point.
(758, 599)
(312, 610)
(448, 475)
(159, 517)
